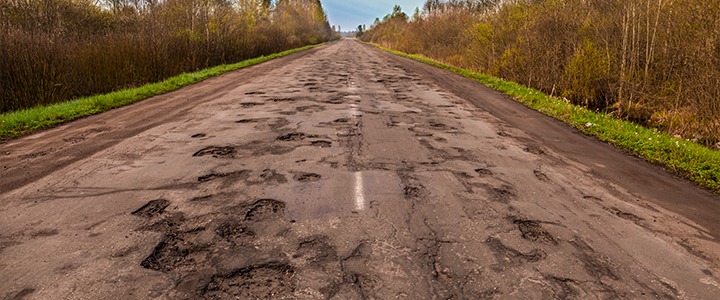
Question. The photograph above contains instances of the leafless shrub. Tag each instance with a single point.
(56, 50)
(656, 62)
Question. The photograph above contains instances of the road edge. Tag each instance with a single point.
(28, 121)
(684, 158)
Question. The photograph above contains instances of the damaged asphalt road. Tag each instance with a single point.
(343, 172)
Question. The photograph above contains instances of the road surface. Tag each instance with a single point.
(343, 172)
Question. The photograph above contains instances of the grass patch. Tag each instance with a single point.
(18, 123)
(688, 159)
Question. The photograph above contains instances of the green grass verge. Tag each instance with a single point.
(688, 159)
(18, 123)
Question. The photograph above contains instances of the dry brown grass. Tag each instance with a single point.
(56, 50)
(655, 62)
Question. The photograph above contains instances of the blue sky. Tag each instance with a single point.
(348, 14)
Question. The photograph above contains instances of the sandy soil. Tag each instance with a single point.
(343, 172)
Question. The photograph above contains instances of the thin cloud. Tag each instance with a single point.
(350, 14)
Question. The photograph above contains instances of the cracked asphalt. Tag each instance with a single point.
(343, 172)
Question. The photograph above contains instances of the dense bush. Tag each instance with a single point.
(55, 50)
(656, 62)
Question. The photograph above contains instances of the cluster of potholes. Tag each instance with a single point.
(189, 247)
(291, 140)
(530, 230)
(508, 257)
(184, 248)
(599, 267)
(329, 95)
(533, 231)
(247, 250)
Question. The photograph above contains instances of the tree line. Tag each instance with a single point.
(655, 62)
(55, 50)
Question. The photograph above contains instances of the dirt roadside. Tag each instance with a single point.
(343, 172)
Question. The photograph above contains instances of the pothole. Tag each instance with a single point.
(322, 144)
(533, 231)
(217, 152)
(307, 177)
(483, 172)
(152, 208)
(625, 215)
(248, 121)
(541, 176)
(251, 104)
(342, 120)
(265, 208)
(414, 191)
(172, 253)
(266, 281)
(534, 150)
(315, 249)
(503, 194)
(269, 176)
(234, 232)
(510, 257)
(272, 150)
(293, 136)
(243, 174)
(287, 99)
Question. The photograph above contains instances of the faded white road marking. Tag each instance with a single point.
(359, 195)
(355, 110)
